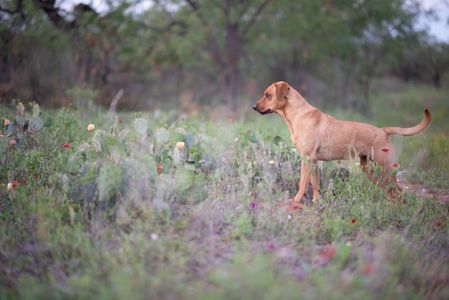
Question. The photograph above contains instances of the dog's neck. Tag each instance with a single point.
(296, 106)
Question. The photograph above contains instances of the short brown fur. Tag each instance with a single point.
(319, 136)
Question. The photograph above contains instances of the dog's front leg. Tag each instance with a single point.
(303, 181)
(315, 181)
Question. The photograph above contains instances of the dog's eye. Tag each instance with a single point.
(267, 95)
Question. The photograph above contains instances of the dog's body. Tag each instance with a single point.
(319, 136)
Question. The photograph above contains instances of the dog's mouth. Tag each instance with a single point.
(262, 112)
(268, 111)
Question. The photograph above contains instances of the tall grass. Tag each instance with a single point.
(125, 212)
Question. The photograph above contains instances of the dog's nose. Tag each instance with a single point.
(254, 107)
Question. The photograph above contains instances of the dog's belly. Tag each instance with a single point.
(339, 151)
(334, 152)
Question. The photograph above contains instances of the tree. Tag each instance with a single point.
(225, 26)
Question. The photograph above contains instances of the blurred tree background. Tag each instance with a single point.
(213, 52)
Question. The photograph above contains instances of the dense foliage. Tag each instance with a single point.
(208, 51)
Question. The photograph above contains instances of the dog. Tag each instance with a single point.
(320, 137)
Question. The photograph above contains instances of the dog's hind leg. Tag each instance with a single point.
(369, 172)
(385, 178)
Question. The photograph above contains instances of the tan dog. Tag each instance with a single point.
(319, 136)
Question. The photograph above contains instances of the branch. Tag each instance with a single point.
(196, 8)
(57, 18)
(253, 18)
(17, 9)
(8, 11)
(53, 13)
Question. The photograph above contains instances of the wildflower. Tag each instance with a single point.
(271, 162)
(12, 142)
(160, 168)
(180, 145)
(395, 165)
(154, 236)
(289, 217)
(328, 253)
(6, 122)
(385, 149)
(353, 221)
(253, 205)
(67, 146)
(271, 247)
(368, 269)
(90, 127)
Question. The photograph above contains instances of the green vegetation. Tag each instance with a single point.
(124, 212)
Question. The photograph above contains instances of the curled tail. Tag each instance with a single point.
(425, 122)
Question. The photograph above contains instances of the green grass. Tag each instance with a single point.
(123, 213)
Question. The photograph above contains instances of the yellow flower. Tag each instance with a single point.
(180, 145)
(90, 127)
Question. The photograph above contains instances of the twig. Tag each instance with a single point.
(113, 110)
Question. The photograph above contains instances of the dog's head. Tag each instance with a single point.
(274, 98)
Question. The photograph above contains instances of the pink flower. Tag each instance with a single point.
(271, 247)
(253, 205)
(67, 146)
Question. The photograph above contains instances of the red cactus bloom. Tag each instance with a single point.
(271, 247)
(253, 205)
(438, 224)
(160, 168)
(296, 206)
(353, 221)
(328, 253)
(67, 146)
(368, 269)
(14, 184)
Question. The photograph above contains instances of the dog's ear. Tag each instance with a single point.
(282, 89)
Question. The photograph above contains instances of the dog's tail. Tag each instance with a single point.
(425, 122)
